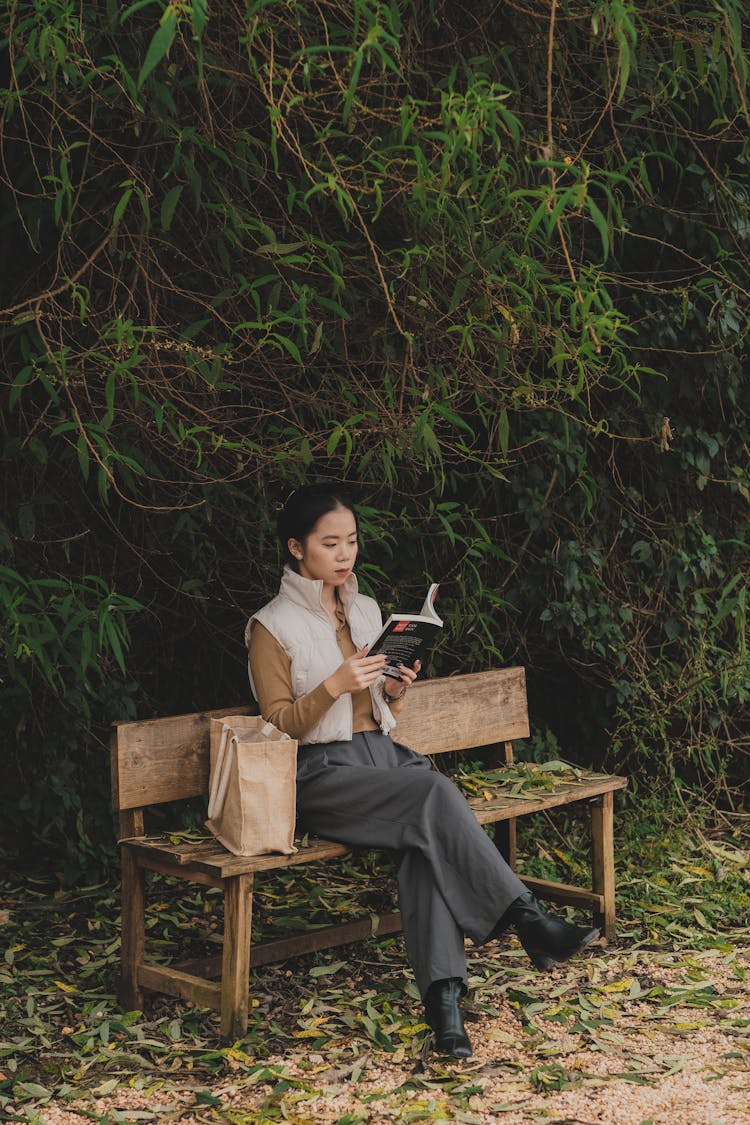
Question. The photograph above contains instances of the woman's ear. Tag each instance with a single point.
(295, 548)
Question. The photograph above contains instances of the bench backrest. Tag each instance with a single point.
(161, 760)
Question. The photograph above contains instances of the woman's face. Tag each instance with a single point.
(328, 553)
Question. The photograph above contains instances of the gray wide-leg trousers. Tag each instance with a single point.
(452, 881)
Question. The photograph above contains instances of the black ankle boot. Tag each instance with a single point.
(546, 938)
(444, 1017)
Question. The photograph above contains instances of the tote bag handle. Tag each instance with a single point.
(220, 781)
(222, 772)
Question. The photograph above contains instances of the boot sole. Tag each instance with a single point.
(450, 1044)
(456, 1051)
(545, 961)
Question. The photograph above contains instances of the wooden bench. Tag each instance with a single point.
(164, 760)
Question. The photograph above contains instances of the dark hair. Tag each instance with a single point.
(305, 507)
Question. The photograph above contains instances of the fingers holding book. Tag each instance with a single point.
(406, 677)
(356, 673)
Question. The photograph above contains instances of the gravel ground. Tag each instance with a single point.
(626, 1037)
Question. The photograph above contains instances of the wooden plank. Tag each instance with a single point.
(603, 860)
(235, 965)
(317, 850)
(179, 854)
(163, 759)
(131, 823)
(506, 840)
(133, 929)
(114, 774)
(462, 712)
(329, 938)
(297, 945)
(506, 833)
(501, 807)
(163, 978)
(564, 893)
(177, 870)
(221, 864)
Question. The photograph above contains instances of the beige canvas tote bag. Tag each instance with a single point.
(252, 788)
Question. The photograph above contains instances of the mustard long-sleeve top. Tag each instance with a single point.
(273, 682)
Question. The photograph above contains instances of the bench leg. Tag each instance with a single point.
(235, 971)
(505, 840)
(133, 936)
(603, 860)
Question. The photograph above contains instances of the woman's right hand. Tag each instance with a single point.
(356, 673)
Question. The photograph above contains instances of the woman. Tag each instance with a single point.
(312, 677)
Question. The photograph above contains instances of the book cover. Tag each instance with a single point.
(407, 637)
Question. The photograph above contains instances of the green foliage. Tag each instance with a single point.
(64, 647)
(67, 635)
(492, 270)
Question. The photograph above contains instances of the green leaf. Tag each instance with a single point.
(121, 205)
(82, 449)
(503, 430)
(24, 376)
(205, 1097)
(601, 224)
(136, 7)
(352, 89)
(168, 206)
(327, 970)
(108, 632)
(32, 1090)
(200, 17)
(279, 249)
(455, 419)
(159, 46)
(288, 345)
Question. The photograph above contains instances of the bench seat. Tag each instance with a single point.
(211, 859)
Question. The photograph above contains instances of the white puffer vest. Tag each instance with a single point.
(299, 622)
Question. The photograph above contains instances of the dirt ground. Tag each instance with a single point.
(652, 1030)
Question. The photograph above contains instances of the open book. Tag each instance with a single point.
(405, 637)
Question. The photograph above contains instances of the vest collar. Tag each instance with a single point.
(308, 592)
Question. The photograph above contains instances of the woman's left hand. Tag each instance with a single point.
(408, 676)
